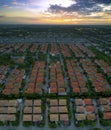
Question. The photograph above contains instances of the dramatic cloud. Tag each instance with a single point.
(2, 16)
(82, 7)
(56, 11)
(107, 2)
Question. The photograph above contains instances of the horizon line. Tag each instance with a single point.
(58, 24)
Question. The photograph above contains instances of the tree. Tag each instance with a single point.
(96, 129)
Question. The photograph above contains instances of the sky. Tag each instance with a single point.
(55, 12)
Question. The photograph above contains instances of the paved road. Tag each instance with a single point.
(46, 128)
(45, 86)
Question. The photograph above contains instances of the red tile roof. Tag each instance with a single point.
(88, 101)
(107, 115)
(90, 109)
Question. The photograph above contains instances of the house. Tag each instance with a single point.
(99, 89)
(4, 103)
(12, 110)
(80, 117)
(28, 110)
(3, 117)
(3, 110)
(107, 115)
(30, 90)
(53, 90)
(106, 108)
(109, 100)
(91, 116)
(103, 101)
(14, 90)
(84, 89)
(37, 102)
(76, 90)
(63, 109)
(11, 117)
(28, 103)
(37, 118)
(27, 117)
(61, 91)
(53, 85)
(80, 109)
(13, 103)
(64, 119)
(89, 109)
(53, 102)
(37, 110)
(54, 109)
(62, 102)
(54, 117)
(37, 90)
(88, 101)
(78, 102)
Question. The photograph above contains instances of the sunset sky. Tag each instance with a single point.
(55, 11)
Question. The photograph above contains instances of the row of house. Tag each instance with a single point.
(23, 48)
(84, 110)
(54, 49)
(86, 50)
(1, 47)
(104, 66)
(44, 48)
(98, 81)
(76, 77)
(32, 111)
(56, 81)
(3, 72)
(65, 50)
(9, 50)
(13, 83)
(105, 107)
(36, 79)
(20, 60)
(8, 110)
(58, 110)
(6, 48)
(17, 46)
(78, 53)
(34, 48)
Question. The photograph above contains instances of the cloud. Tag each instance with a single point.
(26, 18)
(18, 17)
(18, 20)
(55, 11)
(106, 2)
(84, 7)
(14, 3)
(2, 16)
